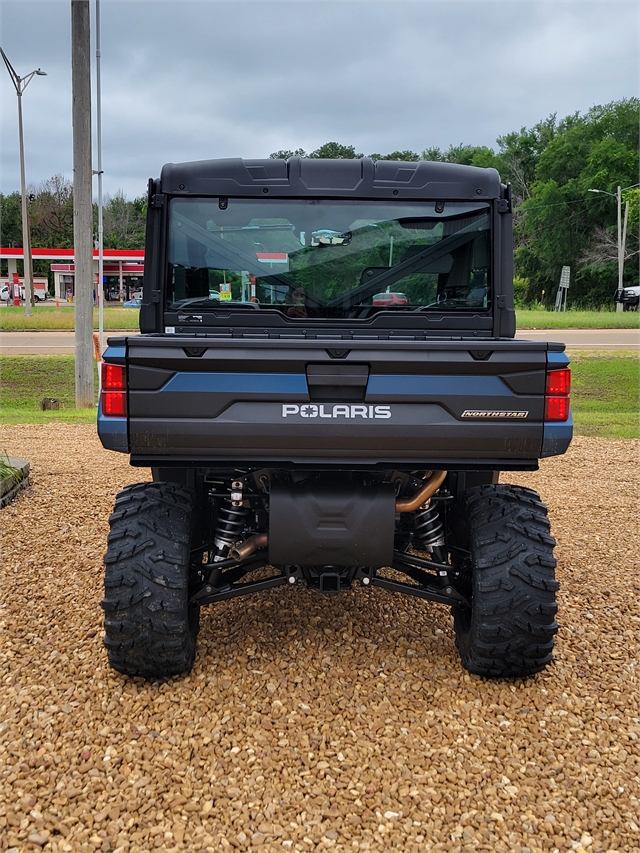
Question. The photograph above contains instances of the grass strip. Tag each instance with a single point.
(577, 319)
(26, 379)
(49, 318)
(605, 393)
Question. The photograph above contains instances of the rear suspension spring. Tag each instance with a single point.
(428, 528)
(229, 527)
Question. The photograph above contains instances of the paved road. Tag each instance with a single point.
(586, 338)
(43, 343)
(62, 343)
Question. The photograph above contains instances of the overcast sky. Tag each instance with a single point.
(198, 80)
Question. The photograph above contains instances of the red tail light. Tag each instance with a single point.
(114, 390)
(557, 409)
(557, 402)
(559, 381)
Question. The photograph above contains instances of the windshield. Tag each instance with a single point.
(328, 259)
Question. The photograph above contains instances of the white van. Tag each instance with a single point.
(6, 294)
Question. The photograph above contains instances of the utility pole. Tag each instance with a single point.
(622, 237)
(82, 202)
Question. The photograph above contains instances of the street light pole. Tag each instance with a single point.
(622, 237)
(21, 84)
(622, 241)
(619, 305)
(99, 173)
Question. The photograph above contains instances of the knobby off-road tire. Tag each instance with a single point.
(150, 627)
(509, 629)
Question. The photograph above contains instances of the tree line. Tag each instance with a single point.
(557, 221)
(551, 167)
(51, 219)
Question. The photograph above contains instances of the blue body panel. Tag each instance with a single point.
(113, 432)
(558, 359)
(240, 383)
(380, 385)
(115, 354)
(556, 437)
(440, 386)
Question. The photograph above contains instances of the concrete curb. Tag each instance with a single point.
(12, 484)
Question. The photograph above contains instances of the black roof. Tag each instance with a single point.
(302, 178)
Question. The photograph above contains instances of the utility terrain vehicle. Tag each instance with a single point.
(326, 387)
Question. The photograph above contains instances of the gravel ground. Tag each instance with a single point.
(310, 722)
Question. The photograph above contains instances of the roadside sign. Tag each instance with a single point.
(563, 288)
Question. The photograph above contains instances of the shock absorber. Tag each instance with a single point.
(229, 523)
(429, 529)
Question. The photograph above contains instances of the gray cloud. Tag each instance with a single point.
(193, 80)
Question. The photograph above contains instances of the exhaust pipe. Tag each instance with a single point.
(242, 550)
(431, 486)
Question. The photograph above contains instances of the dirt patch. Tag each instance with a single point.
(314, 723)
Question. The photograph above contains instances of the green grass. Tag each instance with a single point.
(50, 318)
(47, 317)
(604, 395)
(8, 472)
(26, 379)
(577, 319)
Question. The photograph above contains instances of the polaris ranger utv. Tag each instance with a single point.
(326, 387)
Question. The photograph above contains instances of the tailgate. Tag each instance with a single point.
(192, 399)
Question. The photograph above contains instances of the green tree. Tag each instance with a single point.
(561, 223)
(50, 218)
(519, 154)
(124, 222)
(10, 224)
(329, 151)
(10, 220)
(632, 196)
(285, 154)
(601, 254)
(335, 151)
(466, 155)
(557, 222)
(51, 213)
(408, 156)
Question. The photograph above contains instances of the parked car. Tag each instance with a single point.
(630, 297)
(327, 237)
(384, 299)
(6, 294)
(133, 303)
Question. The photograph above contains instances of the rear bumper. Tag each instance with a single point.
(557, 438)
(419, 433)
